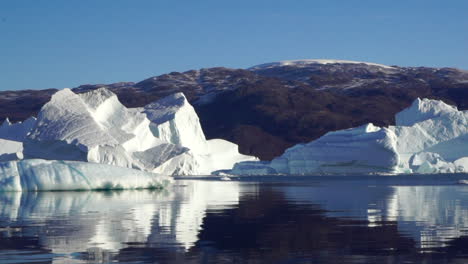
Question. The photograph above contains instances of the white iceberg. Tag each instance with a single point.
(364, 149)
(93, 126)
(163, 137)
(11, 138)
(174, 120)
(428, 162)
(46, 175)
(16, 131)
(431, 126)
(429, 137)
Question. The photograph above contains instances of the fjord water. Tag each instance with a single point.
(380, 219)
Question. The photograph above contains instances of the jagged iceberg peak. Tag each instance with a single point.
(166, 108)
(96, 98)
(93, 127)
(306, 62)
(423, 109)
(96, 127)
(95, 118)
(174, 120)
(16, 131)
(432, 126)
(67, 117)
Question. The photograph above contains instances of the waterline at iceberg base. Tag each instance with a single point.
(429, 137)
(56, 175)
(77, 137)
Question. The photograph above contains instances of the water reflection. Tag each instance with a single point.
(214, 221)
(98, 223)
(431, 215)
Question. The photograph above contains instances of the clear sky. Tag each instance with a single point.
(65, 43)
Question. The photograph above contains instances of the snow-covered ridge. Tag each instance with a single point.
(430, 137)
(306, 62)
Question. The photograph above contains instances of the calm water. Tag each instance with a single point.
(255, 220)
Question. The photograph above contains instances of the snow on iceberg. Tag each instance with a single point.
(37, 174)
(429, 137)
(164, 137)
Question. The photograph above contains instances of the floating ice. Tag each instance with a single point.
(16, 131)
(174, 120)
(164, 137)
(43, 175)
(430, 137)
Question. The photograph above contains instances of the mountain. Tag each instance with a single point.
(270, 107)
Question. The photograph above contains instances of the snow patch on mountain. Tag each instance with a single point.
(306, 62)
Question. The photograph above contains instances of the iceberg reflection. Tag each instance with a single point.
(195, 217)
(431, 215)
(99, 223)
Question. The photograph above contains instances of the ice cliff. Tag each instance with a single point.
(163, 137)
(429, 137)
(37, 174)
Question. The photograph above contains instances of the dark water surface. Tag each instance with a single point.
(253, 220)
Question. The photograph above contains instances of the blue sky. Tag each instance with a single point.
(56, 43)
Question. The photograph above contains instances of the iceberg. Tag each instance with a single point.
(16, 131)
(93, 127)
(163, 137)
(363, 149)
(11, 138)
(51, 175)
(431, 126)
(174, 120)
(429, 137)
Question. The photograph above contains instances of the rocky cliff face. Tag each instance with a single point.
(268, 108)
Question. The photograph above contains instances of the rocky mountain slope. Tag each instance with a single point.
(270, 107)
